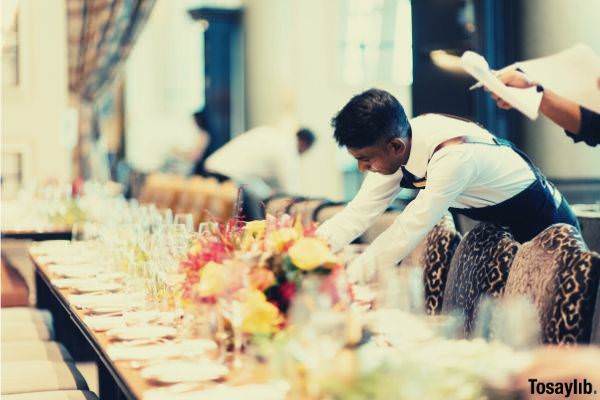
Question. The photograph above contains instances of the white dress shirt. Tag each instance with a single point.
(262, 153)
(461, 176)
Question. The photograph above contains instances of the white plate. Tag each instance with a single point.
(141, 317)
(86, 285)
(142, 332)
(126, 301)
(102, 323)
(184, 371)
(69, 271)
(187, 348)
(98, 287)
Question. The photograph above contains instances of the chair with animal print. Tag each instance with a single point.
(434, 254)
(479, 267)
(557, 272)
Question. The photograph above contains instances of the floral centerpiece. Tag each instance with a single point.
(288, 251)
(276, 254)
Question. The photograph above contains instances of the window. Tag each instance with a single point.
(376, 41)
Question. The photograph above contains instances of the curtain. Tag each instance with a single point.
(101, 34)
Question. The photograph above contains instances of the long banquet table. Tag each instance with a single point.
(117, 380)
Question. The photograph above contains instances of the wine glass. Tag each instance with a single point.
(185, 219)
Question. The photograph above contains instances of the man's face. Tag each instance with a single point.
(385, 157)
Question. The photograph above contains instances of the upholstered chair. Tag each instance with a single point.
(434, 255)
(480, 267)
(279, 204)
(40, 376)
(54, 395)
(560, 276)
(326, 211)
(33, 350)
(25, 323)
(305, 209)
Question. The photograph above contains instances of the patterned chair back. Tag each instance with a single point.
(305, 209)
(434, 254)
(278, 205)
(479, 267)
(560, 276)
(324, 212)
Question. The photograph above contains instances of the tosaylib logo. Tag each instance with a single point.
(574, 387)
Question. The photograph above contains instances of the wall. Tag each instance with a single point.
(34, 114)
(551, 26)
(164, 86)
(292, 76)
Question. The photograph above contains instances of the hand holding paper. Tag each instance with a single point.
(525, 100)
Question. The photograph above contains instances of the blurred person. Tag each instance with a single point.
(188, 158)
(264, 159)
(579, 123)
(456, 164)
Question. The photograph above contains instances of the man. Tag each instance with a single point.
(579, 123)
(264, 158)
(455, 163)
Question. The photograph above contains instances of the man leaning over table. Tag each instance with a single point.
(456, 164)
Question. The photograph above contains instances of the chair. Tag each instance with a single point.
(55, 395)
(434, 254)
(40, 376)
(560, 276)
(305, 208)
(34, 350)
(479, 267)
(24, 323)
(278, 205)
(326, 211)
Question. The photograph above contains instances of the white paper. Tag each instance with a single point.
(525, 100)
(572, 74)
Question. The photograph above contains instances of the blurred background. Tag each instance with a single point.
(107, 90)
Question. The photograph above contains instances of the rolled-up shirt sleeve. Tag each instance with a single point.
(375, 195)
(589, 132)
(448, 174)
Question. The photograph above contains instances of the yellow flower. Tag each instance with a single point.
(259, 316)
(253, 232)
(196, 248)
(310, 253)
(279, 238)
(256, 228)
(212, 279)
(261, 278)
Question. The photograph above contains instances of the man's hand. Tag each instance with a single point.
(514, 79)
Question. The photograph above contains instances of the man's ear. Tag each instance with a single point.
(397, 145)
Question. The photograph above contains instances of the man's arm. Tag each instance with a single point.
(375, 195)
(563, 112)
(447, 176)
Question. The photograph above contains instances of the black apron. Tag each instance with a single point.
(526, 214)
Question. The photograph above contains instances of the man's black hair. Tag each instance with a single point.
(306, 135)
(369, 117)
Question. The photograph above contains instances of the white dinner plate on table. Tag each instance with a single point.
(186, 348)
(105, 287)
(275, 390)
(101, 303)
(86, 285)
(184, 371)
(150, 332)
(101, 323)
(69, 271)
